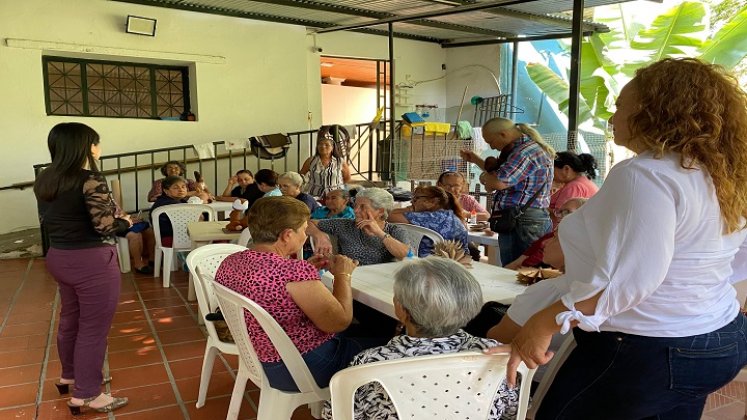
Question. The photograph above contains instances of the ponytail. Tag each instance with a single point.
(535, 135)
(446, 200)
(583, 163)
(453, 205)
(589, 165)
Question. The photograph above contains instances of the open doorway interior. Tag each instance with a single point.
(353, 89)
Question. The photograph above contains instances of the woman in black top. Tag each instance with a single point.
(81, 219)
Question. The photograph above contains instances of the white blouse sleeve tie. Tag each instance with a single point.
(651, 245)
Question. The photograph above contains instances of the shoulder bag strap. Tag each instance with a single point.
(534, 197)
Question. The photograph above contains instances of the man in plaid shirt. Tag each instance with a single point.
(525, 167)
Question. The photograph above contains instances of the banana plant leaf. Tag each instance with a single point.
(593, 87)
(677, 33)
(729, 45)
(556, 89)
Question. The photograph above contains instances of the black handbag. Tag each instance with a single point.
(271, 146)
(505, 220)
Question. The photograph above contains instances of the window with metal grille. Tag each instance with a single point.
(96, 88)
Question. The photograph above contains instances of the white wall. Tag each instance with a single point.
(470, 67)
(347, 105)
(251, 77)
(419, 60)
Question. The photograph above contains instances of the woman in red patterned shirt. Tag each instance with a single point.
(290, 290)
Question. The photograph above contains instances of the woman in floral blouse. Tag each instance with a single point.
(435, 209)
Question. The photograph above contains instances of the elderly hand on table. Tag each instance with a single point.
(342, 266)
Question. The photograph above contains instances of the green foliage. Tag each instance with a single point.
(609, 60)
(677, 33)
(727, 47)
(555, 88)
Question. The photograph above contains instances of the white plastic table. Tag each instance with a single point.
(373, 285)
(491, 245)
(202, 233)
(223, 207)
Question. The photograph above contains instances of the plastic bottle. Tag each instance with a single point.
(473, 217)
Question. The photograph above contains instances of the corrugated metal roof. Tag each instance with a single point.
(532, 18)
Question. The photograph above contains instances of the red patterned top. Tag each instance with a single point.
(262, 276)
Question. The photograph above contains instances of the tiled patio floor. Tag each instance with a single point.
(155, 354)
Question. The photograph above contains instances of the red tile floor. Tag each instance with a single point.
(154, 356)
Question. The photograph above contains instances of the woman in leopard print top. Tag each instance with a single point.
(77, 212)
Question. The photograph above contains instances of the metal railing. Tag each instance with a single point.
(137, 170)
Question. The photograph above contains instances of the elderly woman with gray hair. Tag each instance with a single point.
(433, 297)
(368, 238)
(290, 184)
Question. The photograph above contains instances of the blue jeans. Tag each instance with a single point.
(323, 362)
(613, 375)
(530, 226)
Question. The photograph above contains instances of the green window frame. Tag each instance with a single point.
(114, 89)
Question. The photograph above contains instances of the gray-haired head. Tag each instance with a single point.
(343, 192)
(293, 177)
(439, 294)
(379, 197)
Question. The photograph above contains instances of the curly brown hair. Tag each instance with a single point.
(699, 111)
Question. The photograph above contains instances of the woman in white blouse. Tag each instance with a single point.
(649, 257)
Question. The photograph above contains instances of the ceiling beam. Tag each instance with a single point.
(546, 20)
(556, 21)
(508, 41)
(373, 14)
(425, 15)
(179, 5)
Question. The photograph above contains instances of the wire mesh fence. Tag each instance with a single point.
(596, 145)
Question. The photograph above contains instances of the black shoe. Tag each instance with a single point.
(144, 270)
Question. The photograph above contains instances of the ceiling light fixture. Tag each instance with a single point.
(140, 25)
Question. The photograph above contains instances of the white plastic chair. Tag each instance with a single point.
(179, 215)
(552, 369)
(273, 404)
(203, 263)
(446, 386)
(246, 238)
(416, 234)
(123, 253)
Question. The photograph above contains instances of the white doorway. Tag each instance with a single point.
(353, 89)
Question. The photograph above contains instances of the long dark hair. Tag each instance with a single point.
(340, 138)
(583, 163)
(70, 148)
